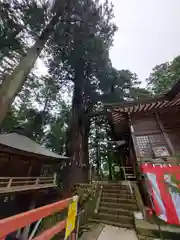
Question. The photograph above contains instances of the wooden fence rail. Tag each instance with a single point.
(18, 182)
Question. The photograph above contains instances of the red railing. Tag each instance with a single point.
(12, 224)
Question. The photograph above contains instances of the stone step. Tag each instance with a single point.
(128, 206)
(129, 172)
(115, 186)
(121, 199)
(130, 176)
(115, 195)
(168, 231)
(112, 223)
(142, 237)
(114, 217)
(119, 211)
(119, 191)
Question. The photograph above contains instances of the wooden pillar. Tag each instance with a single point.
(137, 153)
(29, 168)
(90, 173)
(165, 135)
(136, 165)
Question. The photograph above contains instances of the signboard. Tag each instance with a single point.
(160, 151)
(71, 219)
(163, 183)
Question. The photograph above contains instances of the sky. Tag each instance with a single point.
(148, 34)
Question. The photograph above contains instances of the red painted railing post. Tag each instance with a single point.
(11, 224)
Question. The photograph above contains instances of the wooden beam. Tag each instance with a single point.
(16, 184)
(165, 135)
(18, 152)
(149, 132)
(136, 148)
(95, 114)
(132, 103)
(27, 188)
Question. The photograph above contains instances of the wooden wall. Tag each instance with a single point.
(155, 130)
(13, 165)
(147, 135)
(171, 124)
(19, 165)
(144, 123)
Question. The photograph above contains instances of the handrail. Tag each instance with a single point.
(124, 172)
(7, 178)
(11, 224)
(124, 168)
(139, 200)
(7, 182)
(98, 199)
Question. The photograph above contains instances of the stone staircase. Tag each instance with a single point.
(128, 173)
(117, 205)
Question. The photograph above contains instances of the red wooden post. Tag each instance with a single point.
(73, 236)
(13, 223)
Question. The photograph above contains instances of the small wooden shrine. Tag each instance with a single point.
(150, 130)
(27, 173)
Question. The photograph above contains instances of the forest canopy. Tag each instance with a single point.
(55, 70)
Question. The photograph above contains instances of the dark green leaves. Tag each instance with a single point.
(164, 76)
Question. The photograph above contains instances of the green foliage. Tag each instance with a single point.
(164, 76)
(85, 194)
(10, 28)
(10, 122)
(56, 138)
(77, 60)
(50, 221)
(80, 52)
(117, 84)
(137, 93)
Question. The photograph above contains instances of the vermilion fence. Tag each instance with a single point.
(11, 224)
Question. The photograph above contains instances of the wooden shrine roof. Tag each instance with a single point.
(166, 101)
(145, 105)
(23, 143)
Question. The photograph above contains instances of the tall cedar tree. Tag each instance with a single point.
(13, 83)
(84, 58)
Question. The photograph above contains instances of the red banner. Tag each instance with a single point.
(164, 187)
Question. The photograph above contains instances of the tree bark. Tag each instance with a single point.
(110, 165)
(109, 155)
(86, 149)
(98, 163)
(14, 82)
(78, 132)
